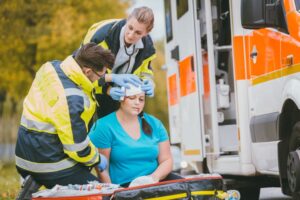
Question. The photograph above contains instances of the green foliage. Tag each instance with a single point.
(158, 106)
(9, 181)
(33, 32)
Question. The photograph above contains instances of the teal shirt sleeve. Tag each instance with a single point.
(100, 135)
(162, 132)
(158, 128)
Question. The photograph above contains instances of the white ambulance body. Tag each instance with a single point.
(234, 86)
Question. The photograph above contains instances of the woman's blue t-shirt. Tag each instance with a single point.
(129, 158)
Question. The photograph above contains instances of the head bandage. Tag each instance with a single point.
(133, 90)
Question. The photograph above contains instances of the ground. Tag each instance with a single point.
(9, 181)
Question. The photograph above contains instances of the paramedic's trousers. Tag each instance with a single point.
(81, 176)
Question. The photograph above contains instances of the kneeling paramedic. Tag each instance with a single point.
(52, 145)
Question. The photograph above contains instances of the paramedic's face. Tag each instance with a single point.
(133, 104)
(134, 31)
(93, 75)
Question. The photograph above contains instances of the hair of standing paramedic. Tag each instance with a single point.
(143, 15)
(94, 56)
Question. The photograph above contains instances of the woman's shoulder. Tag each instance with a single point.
(108, 119)
(152, 119)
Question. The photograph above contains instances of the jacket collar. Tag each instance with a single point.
(74, 72)
(113, 42)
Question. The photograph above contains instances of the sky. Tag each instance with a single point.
(157, 6)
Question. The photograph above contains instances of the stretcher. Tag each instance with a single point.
(201, 187)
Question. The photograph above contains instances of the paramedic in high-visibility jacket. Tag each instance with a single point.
(53, 146)
(130, 41)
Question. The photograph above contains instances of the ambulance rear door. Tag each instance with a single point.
(183, 58)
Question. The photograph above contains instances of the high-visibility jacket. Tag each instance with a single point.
(52, 137)
(107, 34)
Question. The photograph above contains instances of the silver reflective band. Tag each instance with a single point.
(78, 92)
(77, 146)
(149, 76)
(44, 167)
(92, 161)
(40, 126)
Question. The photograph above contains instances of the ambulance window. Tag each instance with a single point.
(297, 4)
(182, 7)
(168, 19)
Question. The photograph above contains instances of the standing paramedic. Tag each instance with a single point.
(128, 39)
(52, 145)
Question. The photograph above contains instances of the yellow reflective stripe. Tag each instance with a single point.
(276, 74)
(89, 159)
(94, 28)
(205, 192)
(98, 90)
(44, 167)
(37, 126)
(143, 70)
(146, 75)
(77, 146)
(78, 92)
(93, 160)
(103, 44)
(174, 196)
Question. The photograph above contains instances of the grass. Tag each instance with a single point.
(9, 181)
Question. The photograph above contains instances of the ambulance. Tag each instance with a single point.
(233, 87)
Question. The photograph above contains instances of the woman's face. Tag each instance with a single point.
(134, 31)
(134, 104)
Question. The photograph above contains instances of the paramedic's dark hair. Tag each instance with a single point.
(94, 56)
(145, 125)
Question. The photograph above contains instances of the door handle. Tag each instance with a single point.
(290, 60)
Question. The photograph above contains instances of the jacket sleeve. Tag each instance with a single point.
(145, 70)
(68, 117)
(98, 31)
(94, 34)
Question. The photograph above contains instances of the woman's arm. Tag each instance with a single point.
(104, 176)
(165, 161)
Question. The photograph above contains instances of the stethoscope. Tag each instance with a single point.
(129, 55)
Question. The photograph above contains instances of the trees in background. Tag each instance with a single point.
(158, 106)
(34, 31)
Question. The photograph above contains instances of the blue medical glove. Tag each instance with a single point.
(116, 93)
(148, 88)
(103, 163)
(123, 79)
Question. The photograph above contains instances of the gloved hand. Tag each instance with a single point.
(103, 163)
(116, 93)
(123, 79)
(142, 180)
(148, 88)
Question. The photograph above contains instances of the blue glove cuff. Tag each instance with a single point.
(103, 163)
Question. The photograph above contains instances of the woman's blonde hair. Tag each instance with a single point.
(143, 15)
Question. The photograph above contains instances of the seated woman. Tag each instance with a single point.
(135, 143)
